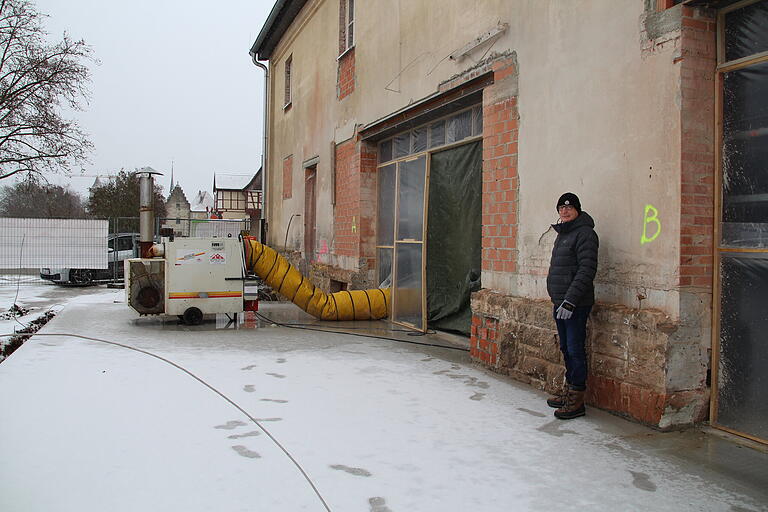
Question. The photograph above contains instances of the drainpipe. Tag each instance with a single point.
(264, 150)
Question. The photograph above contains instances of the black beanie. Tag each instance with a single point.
(570, 199)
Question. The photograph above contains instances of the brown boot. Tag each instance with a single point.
(557, 400)
(574, 406)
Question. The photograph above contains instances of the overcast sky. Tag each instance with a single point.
(175, 84)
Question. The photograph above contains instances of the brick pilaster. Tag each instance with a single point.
(698, 61)
(346, 239)
(500, 178)
(355, 211)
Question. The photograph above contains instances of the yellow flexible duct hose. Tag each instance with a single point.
(283, 278)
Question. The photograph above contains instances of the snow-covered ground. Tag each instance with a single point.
(375, 425)
(35, 297)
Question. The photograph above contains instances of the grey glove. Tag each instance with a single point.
(565, 311)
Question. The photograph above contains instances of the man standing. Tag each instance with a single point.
(570, 286)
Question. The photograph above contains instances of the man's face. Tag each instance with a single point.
(567, 213)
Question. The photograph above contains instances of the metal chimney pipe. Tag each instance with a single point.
(146, 211)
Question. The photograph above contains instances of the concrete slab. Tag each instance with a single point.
(375, 424)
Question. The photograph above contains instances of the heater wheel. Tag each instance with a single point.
(193, 316)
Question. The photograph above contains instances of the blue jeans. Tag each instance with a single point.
(573, 335)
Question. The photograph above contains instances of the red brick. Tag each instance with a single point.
(693, 250)
(688, 22)
(702, 281)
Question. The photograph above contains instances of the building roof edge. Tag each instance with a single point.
(280, 18)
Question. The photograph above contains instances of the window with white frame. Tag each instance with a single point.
(346, 25)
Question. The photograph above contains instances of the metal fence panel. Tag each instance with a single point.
(77, 251)
(35, 243)
(204, 228)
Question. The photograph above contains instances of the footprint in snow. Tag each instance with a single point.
(245, 452)
(351, 471)
(252, 433)
(231, 425)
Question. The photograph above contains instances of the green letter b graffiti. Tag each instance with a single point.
(648, 219)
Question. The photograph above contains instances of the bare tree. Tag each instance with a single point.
(32, 199)
(37, 80)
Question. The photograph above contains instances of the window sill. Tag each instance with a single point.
(351, 48)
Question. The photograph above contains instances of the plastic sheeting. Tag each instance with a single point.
(454, 236)
(408, 285)
(743, 365)
(385, 230)
(408, 280)
(410, 200)
(745, 153)
(745, 31)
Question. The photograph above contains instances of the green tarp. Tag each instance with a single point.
(454, 236)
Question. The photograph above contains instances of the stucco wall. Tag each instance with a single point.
(599, 116)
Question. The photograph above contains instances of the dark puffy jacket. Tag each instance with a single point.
(574, 262)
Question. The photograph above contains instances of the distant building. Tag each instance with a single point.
(237, 196)
(178, 212)
(201, 206)
(103, 180)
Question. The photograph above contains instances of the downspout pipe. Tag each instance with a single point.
(265, 148)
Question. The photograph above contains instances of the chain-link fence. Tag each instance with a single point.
(203, 228)
(82, 252)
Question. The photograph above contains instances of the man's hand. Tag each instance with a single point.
(565, 311)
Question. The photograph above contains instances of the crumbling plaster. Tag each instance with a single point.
(596, 117)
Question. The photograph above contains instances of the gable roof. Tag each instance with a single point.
(280, 18)
(231, 181)
(202, 201)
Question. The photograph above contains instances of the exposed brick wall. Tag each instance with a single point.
(345, 214)
(288, 177)
(482, 342)
(345, 80)
(500, 179)
(698, 61)
(626, 350)
(321, 275)
(368, 205)
(355, 209)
